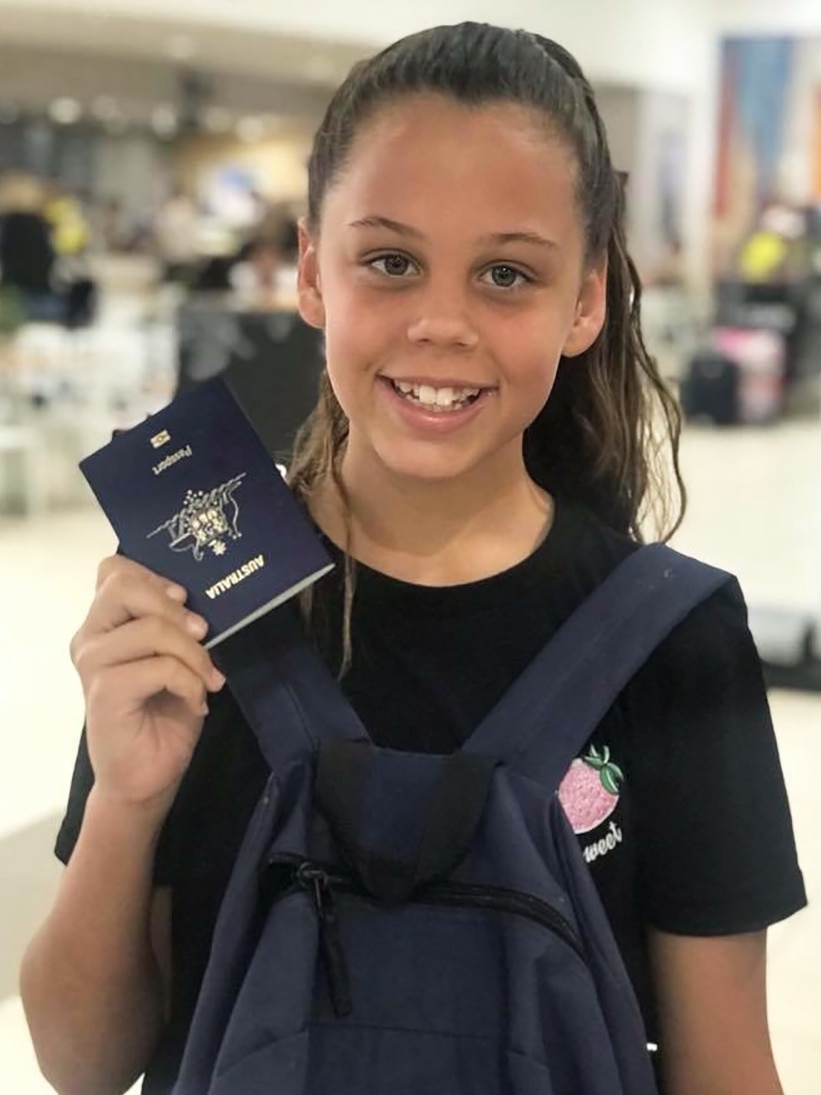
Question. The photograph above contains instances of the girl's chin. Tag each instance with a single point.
(431, 468)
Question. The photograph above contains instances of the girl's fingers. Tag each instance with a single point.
(134, 684)
(124, 594)
(147, 637)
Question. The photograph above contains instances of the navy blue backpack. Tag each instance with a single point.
(403, 924)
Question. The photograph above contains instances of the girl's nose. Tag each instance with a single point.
(442, 319)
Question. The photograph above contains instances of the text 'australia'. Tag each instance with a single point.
(171, 459)
(236, 576)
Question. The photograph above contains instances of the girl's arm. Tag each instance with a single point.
(712, 1002)
(95, 979)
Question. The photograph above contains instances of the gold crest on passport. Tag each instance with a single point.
(207, 519)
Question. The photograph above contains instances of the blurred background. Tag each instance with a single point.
(152, 169)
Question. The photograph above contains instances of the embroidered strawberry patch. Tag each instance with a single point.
(589, 792)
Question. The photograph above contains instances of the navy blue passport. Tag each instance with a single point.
(193, 495)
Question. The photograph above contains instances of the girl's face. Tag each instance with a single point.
(449, 277)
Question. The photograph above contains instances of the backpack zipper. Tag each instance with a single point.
(502, 900)
(324, 883)
(318, 881)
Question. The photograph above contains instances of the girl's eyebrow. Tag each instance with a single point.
(520, 237)
(386, 222)
(495, 239)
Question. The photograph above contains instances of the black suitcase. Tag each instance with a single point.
(710, 390)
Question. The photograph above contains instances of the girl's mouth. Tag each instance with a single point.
(439, 400)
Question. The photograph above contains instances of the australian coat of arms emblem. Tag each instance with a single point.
(208, 519)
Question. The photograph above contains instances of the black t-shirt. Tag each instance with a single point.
(687, 828)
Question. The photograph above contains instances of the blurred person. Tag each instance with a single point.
(775, 261)
(265, 269)
(27, 252)
(110, 225)
(478, 463)
(255, 271)
(70, 228)
(175, 236)
(289, 249)
(771, 253)
(72, 238)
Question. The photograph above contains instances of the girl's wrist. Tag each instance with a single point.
(110, 813)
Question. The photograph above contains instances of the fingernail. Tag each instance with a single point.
(204, 709)
(176, 593)
(217, 680)
(196, 626)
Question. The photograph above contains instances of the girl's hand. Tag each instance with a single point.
(145, 678)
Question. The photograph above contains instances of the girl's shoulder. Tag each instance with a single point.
(586, 551)
(712, 641)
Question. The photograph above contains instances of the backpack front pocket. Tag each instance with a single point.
(452, 983)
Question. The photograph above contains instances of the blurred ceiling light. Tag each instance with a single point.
(104, 108)
(250, 129)
(65, 111)
(164, 120)
(181, 47)
(217, 119)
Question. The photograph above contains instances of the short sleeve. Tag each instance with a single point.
(82, 781)
(717, 851)
(213, 804)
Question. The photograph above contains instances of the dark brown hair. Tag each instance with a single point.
(608, 435)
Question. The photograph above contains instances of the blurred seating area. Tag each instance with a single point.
(95, 334)
(65, 388)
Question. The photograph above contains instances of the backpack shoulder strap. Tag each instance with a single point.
(544, 720)
(268, 665)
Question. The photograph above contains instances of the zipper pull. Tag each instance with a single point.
(330, 944)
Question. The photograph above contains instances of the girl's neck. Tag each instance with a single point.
(435, 533)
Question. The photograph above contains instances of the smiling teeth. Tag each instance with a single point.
(436, 398)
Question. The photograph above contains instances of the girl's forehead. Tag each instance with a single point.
(431, 157)
(402, 125)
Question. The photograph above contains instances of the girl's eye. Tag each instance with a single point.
(503, 276)
(395, 266)
(506, 277)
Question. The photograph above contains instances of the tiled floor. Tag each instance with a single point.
(754, 509)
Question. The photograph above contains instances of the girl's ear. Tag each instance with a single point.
(591, 312)
(309, 290)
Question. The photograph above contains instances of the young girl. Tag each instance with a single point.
(480, 459)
